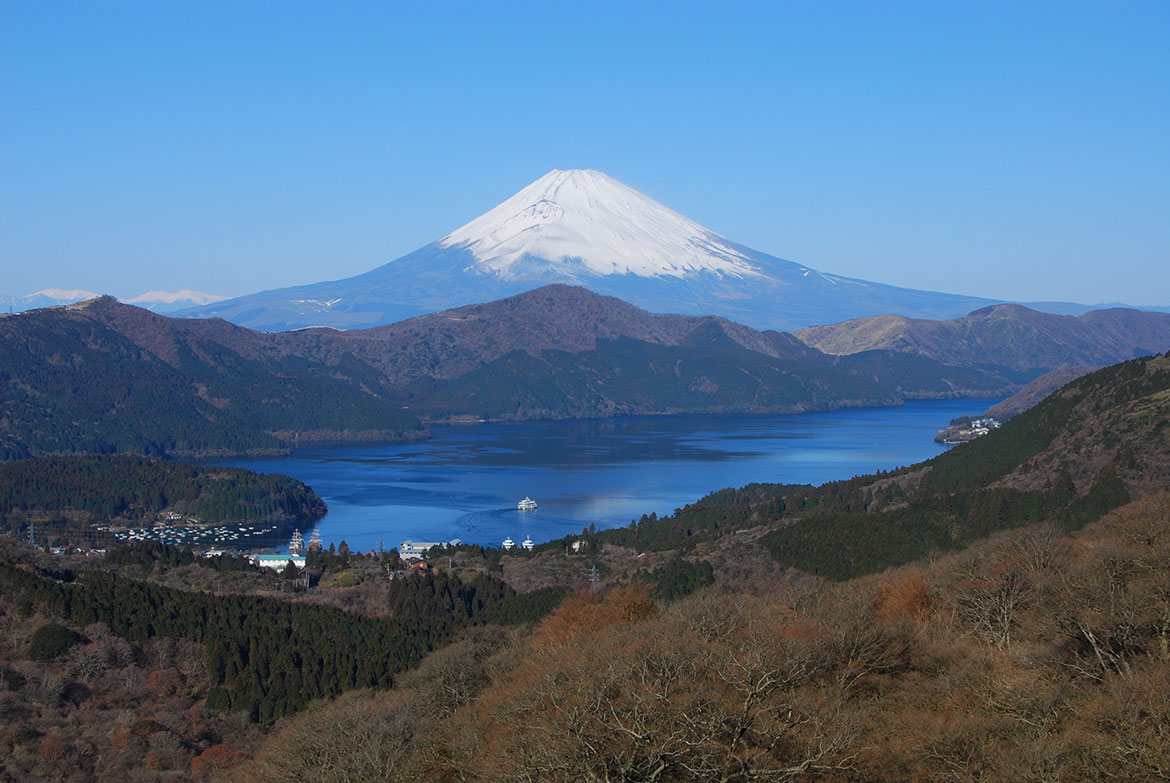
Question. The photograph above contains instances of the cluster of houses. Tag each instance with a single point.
(965, 430)
(412, 553)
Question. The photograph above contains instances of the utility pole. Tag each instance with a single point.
(593, 577)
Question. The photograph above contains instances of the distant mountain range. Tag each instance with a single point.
(583, 228)
(170, 301)
(562, 351)
(1005, 335)
(103, 376)
(158, 301)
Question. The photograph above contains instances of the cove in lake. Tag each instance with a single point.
(465, 481)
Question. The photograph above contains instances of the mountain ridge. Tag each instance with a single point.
(105, 376)
(1009, 335)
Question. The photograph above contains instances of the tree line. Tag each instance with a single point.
(134, 488)
(268, 657)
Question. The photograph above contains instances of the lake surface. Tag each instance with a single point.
(465, 481)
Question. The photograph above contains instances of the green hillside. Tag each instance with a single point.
(132, 489)
(627, 376)
(1090, 447)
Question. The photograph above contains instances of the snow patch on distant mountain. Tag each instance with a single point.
(64, 295)
(159, 301)
(594, 225)
(170, 301)
(186, 298)
(46, 297)
(317, 302)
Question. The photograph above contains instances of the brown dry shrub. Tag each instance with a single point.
(215, 761)
(589, 612)
(53, 747)
(907, 598)
(164, 682)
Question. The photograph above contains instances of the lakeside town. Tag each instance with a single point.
(967, 428)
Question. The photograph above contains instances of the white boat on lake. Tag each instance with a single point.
(527, 504)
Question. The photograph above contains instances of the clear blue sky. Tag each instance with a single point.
(1017, 150)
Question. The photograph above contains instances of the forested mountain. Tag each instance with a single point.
(555, 317)
(78, 490)
(101, 376)
(266, 656)
(1033, 656)
(1036, 391)
(1093, 445)
(1030, 654)
(1005, 335)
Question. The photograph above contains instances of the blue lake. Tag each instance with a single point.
(465, 481)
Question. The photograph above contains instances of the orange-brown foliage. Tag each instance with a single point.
(588, 612)
(215, 760)
(164, 682)
(909, 597)
(53, 747)
(1029, 656)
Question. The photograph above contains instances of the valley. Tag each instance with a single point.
(875, 604)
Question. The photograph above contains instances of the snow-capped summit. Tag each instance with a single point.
(581, 221)
(584, 228)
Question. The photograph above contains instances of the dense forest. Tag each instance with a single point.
(268, 657)
(72, 492)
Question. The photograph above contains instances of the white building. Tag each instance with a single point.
(420, 548)
(276, 562)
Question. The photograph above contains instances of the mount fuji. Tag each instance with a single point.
(581, 227)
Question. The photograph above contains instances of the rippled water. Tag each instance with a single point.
(464, 482)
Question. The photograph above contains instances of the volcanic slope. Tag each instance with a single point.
(581, 227)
